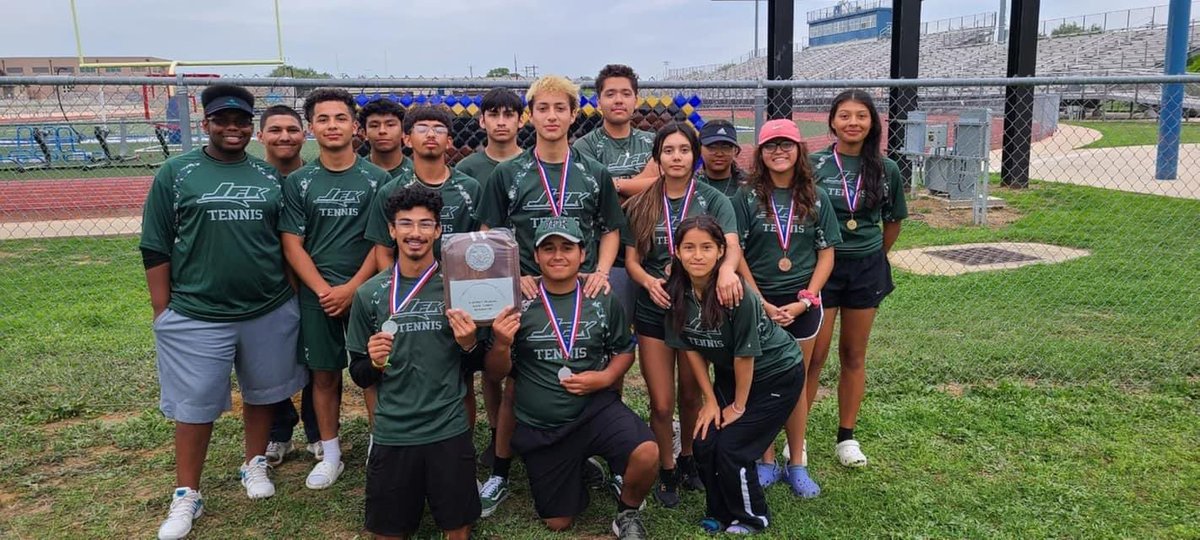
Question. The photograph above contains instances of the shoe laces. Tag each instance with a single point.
(256, 471)
(630, 523)
(183, 507)
(492, 486)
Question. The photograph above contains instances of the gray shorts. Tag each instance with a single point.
(624, 289)
(195, 359)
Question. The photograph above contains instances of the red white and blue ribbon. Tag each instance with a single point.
(555, 207)
(851, 202)
(398, 303)
(564, 344)
(687, 203)
(784, 233)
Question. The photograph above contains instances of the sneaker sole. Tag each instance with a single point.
(489, 511)
(341, 468)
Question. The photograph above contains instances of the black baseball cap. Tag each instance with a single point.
(220, 97)
(718, 131)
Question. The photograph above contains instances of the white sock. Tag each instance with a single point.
(333, 450)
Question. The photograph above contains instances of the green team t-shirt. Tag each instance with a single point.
(541, 400)
(405, 167)
(868, 237)
(706, 201)
(760, 239)
(478, 165)
(330, 209)
(421, 393)
(746, 331)
(460, 201)
(217, 221)
(622, 157)
(514, 197)
(728, 186)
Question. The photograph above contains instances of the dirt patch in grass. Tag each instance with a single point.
(936, 215)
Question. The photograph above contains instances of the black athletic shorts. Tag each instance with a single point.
(858, 283)
(648, 319)
(401, 479)
(554, 457)
(805, 326)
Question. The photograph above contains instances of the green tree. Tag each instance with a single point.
(1070, 29)
(294, 72)
(498, 73)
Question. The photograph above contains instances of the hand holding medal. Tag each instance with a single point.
(396, 303)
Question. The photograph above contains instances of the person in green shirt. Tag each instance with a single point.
(380, 122)
(566, 350)
(326, 204)
(625, 151)
(789, 229)
(719, 150)
(758, 370)
(404, 342)
(549, 181)
(427, 132)
(867, 193)
(500, 113)
(281, 132)
(220, 297)
(653, 216)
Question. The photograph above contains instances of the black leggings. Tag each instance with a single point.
(726, 458)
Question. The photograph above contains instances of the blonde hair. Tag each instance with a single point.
(551, 84)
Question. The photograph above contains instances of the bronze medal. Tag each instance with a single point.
(785, 264)
(852, 224)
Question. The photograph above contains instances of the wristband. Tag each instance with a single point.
(813, 299)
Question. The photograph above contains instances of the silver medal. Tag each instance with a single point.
(389, 327)
(564, 373)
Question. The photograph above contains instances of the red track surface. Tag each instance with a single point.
(37, 200)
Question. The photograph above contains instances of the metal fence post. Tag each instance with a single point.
(183, 105)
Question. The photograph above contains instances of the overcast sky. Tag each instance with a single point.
(427, 38)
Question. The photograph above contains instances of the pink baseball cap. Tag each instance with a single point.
(779, 129)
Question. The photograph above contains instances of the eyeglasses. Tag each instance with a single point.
(779, 146)
(223, 121)
(408, 224)
(422, 129)
(721, 148)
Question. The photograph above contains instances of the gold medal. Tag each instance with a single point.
(785, 264)
(852, 224)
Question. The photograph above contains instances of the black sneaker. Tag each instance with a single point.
(667, 491)
(689, 477)
(629, 526)
(594, 474)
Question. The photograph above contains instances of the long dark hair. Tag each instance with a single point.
(680, 283)
(871, 156)
(645, 209)
(804, 190)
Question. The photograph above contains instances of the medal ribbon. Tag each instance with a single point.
(852, 203)
(398, 303)
(687, 203)
(784, 233)
(563, 344)
(555, 207)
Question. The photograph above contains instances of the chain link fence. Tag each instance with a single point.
(1036, 238)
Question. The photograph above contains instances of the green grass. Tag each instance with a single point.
(1048, 401)
(1134, 133)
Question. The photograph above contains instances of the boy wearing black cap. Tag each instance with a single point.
(719, 149)
(215, 270)
(565, 352)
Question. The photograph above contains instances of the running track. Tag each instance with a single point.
(29, 200)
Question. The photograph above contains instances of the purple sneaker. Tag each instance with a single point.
(769, 473)
(802, 485)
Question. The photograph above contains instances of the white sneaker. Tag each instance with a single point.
(255, 478)
(317, 451)
(186, 505)
(324, 474)
(787, 453)
(849, 454)
(276, 451)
